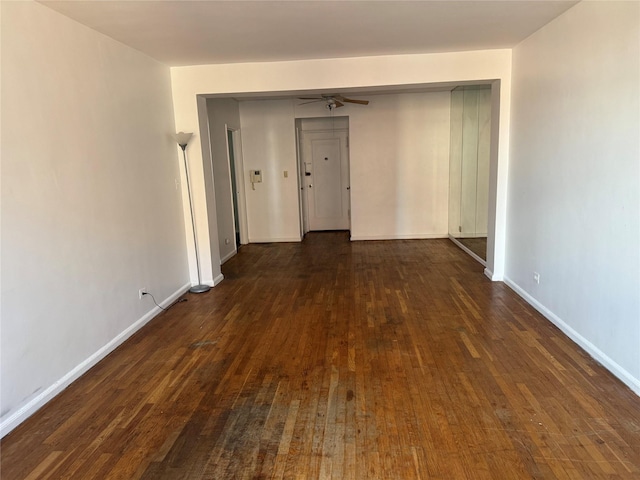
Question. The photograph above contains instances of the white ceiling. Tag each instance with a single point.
(182, 32)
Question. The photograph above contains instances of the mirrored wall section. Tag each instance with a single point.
(469, 168)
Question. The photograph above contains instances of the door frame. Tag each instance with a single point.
(303, 191)
(238, 188)
(303, 210)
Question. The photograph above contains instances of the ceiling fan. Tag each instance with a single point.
(332, 101)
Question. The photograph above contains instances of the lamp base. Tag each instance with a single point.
(200, 288)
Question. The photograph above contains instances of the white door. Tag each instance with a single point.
(325, 158)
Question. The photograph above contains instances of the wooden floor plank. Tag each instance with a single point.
(338, 359)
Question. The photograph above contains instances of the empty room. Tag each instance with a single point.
(320, 239)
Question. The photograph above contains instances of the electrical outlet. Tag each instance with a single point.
(536, 277)
(142, 292)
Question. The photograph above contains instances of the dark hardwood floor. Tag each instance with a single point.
(332, 359)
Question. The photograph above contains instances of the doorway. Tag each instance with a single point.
(234, 185)
(323, 146)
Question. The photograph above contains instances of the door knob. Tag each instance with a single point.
(310, 185)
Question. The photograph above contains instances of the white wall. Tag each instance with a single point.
(90, 210)
(269, 144)
(223, 113)
(399, 160)
(330, 74)
(574, 179)
(399, 157)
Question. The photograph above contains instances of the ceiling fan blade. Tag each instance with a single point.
(312, 101)
(310, 98)
(359, 102)
(339, 104)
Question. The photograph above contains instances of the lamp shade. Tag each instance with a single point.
(182, 138)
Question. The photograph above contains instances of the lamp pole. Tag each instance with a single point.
(183, 140)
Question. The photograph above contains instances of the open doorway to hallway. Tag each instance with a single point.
(323, 159)
(235, 189)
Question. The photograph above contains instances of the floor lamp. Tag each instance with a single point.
(183, 139)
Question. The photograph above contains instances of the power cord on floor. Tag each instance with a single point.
(161, 308)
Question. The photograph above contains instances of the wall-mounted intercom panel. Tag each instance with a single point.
(256, 177)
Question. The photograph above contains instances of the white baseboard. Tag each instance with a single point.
(211, 283)
(275, 240)
(621, 373)
(410, 236)
(488, 273)
(46, 395)
(228, 255)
